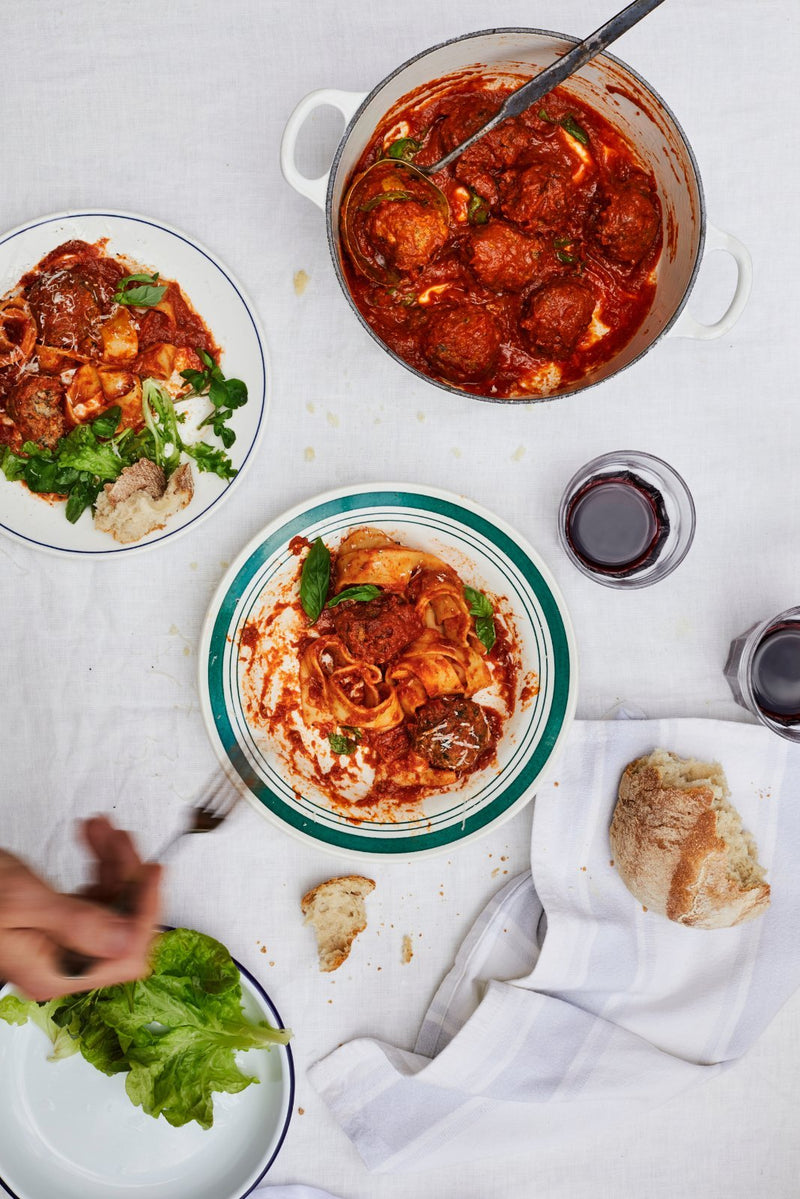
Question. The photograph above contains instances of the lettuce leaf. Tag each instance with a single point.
(175, 1033)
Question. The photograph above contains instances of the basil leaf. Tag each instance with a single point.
(314, 579)
(563, 256)
(363, 592)
(404, 148)
(480, 608)
(477, 210)
(342, 745)
(143, 296)
(571, 126)
(543, 115)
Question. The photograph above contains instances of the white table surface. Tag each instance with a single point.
(176, 110)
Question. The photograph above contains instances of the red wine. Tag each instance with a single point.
(775, 674)
(617, 524)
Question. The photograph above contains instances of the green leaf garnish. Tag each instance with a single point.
(226, 396)
(563, 256)
(571, 126)
(374, 201)
(477, 210)
(174, 1034)
(568, 124)
(143, 294)
(404, 148)
(362, 591)
(166, 444)
(314, 579)
(480, 608)
(345, 745)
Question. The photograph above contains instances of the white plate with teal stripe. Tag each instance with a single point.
(490, 556)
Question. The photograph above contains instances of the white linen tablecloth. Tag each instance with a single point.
(176, 111)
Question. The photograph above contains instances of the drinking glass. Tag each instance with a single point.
(763, 672)
(640, 494)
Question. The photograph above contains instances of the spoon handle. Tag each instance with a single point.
(557, 72)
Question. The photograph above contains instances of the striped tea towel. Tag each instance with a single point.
(568, 1003)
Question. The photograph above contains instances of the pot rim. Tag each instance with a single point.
(337, 266)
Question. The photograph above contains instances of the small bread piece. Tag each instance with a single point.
(141, 501)
(679, 844)
(337, 912)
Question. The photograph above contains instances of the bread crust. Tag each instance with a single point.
(336, 910)
(667, 845)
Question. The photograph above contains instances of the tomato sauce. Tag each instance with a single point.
(546, 266)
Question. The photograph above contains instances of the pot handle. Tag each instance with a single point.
(686, 325)
(315, 190)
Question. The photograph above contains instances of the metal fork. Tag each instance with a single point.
(215, 802)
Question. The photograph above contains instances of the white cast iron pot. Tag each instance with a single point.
(606, 84)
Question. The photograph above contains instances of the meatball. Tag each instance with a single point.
(558, 315)
(65, 310)
(462, 343)
(628, 225)
(502, 258)
(538, 197)
(407, 232)
(451, 732)
(37, 407)
(377, 629)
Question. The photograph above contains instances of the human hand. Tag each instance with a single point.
(37, 924)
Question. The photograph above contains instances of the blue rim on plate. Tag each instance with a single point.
(437, 521)
(220, 275)
(288, 1072)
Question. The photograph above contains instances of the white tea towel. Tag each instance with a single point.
(606, 1009)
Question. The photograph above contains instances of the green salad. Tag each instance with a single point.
(174, 1034)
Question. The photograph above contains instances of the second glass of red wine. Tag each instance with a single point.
(763, 672)
(626, 519)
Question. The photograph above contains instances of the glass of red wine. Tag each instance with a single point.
(763, 672)
(626, 519)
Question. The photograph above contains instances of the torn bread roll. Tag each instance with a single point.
(141, 500)
(680, 847)
(337, 912)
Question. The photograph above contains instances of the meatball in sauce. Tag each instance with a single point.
(553, 220)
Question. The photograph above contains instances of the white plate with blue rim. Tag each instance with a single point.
(490, 556)
(68, 1130)
(223, 305)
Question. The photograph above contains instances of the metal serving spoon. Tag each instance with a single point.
(389, 175)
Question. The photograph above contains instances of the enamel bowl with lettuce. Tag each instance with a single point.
(181, 1083)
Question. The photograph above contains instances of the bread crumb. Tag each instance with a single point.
(495, 872)
(408, 951)
(333, 419)
(301, 1111)
(300, 282)
(263, 949)
(309, 453)
(518, 454)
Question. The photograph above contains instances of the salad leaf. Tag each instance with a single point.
(226, 396)
(146, 295)
(314, 579)
(174, 1034)
(361, 591)
(166, 445)
(480, 607)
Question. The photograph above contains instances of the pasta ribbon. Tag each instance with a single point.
(434, 666)
(119, 337)
(335, 685)
(17, 332)
(369, 556)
